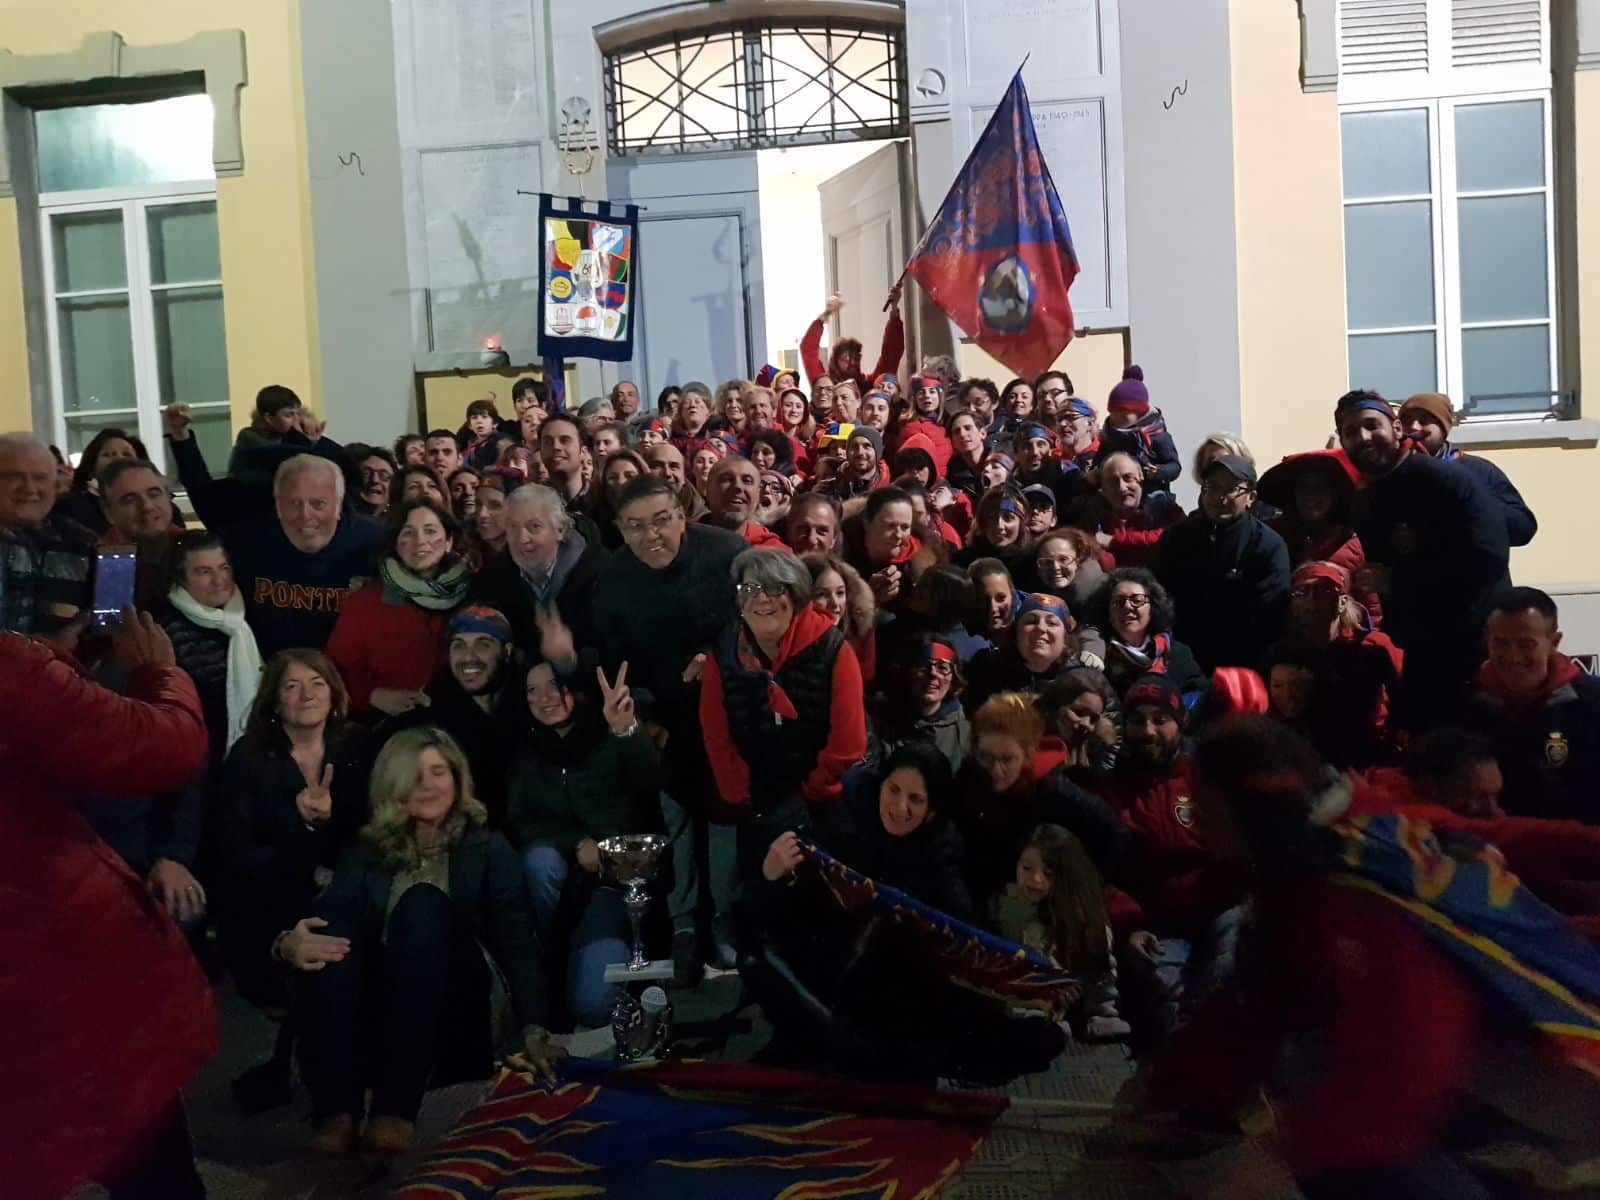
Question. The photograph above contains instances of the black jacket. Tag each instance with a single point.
(487, 894)
(203, 653)
(501, 584)
(994, 828)
(657, 621)
(1521, 524)
(1443, 537)
(1229, 585)
(486, 738)
(1549, 751)
(588, 783)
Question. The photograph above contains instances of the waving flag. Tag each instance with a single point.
(691, 1130)
(975, 960)
(1458, 890)
(998, 259)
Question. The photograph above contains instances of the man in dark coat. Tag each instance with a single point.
(1441, 539)
(1427, 419)
(289, 522)
(1541, 712)
(658, 606)
(549, 569)
(1227, 572)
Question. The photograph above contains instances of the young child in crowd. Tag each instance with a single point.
(1140, 430)
(1056, 905)
(484, 439)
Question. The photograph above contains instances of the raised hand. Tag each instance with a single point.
(834, 304)
(618, 708)
(306, 950)
(175, 420)
(555, 638)
(315, 801)
(894, 295)
(309, 425)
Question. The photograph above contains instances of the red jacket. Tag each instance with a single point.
(894, 345)
(1393, 1025)
(1180, 884)
(927, 435)
(103, 1013)
(847, 716)
(380, 643)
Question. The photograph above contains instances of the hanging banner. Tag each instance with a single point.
(586, 278)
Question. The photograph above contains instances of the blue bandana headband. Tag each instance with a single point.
(479, 618)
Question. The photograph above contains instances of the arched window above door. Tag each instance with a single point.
(754, 84)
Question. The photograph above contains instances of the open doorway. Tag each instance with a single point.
(832, 218)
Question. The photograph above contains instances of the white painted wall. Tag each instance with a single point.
(791, 235)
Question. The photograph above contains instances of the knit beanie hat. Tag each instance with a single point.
(479, 618)
(784, 482)
(1158, 691)
(1431, 404)
(1130, 395)
(871, 435)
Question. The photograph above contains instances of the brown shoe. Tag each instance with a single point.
(336, 1135)
(388, 1135)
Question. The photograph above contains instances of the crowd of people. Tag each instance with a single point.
(370, 723)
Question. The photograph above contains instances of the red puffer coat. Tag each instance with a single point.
(104, 1014)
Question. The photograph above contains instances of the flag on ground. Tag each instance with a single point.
(690, 1130)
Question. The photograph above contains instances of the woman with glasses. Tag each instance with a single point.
(1135, 614)
(780, 703)
(922, 701)
(1044, 642)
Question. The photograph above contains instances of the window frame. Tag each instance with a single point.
(134, 205)
(1448, 326)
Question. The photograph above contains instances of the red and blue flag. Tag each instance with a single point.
(998, 257)
(693, 1130)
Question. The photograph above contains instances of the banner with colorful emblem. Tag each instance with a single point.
(998, 257)
(1460, 892)
(691, 1130)
(974, 959)
(588, 266)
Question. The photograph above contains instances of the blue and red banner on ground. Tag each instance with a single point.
(690, 1130)
(974, 958)
(1460, 893)
(998, 257)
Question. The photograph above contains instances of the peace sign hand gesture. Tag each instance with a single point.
(315, 801)
(618, 701)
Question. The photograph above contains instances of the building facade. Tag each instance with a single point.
(1272, 201)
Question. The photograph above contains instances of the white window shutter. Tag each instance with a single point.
(1487, 33)
(1383, 36)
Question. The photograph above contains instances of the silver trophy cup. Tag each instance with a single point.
(631, 861)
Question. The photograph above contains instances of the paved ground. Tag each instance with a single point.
(1035, 1151)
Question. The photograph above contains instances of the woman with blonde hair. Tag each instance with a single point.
(394, 951)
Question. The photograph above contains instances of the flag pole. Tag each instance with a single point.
(904, 271)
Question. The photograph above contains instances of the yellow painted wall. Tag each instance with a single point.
(445, 397)
(263, 216)
(1290, 233)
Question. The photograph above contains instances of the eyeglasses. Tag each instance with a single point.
(1133, 602)
(1052, 393)
(659, 523)
(749, 590)
(1231, 488)
(943, 670)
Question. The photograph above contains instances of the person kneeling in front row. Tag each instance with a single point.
(395, 990)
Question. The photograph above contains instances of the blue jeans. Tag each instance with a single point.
(721, 876)
(600, 935)
(1181, 976)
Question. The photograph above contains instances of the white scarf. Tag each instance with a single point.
(244, 659)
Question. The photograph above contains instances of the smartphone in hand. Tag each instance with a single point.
(114, 571)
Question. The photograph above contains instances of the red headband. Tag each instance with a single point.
(938, 652)
(1327, 572)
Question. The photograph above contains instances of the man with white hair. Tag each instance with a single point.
(45, 558)
(545, 579)
(295, 560)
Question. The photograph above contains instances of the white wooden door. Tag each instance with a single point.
(701, 310)
(864, 238)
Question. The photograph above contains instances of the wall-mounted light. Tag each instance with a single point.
(494, 354)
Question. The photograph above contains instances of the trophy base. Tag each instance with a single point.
(653, 971)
